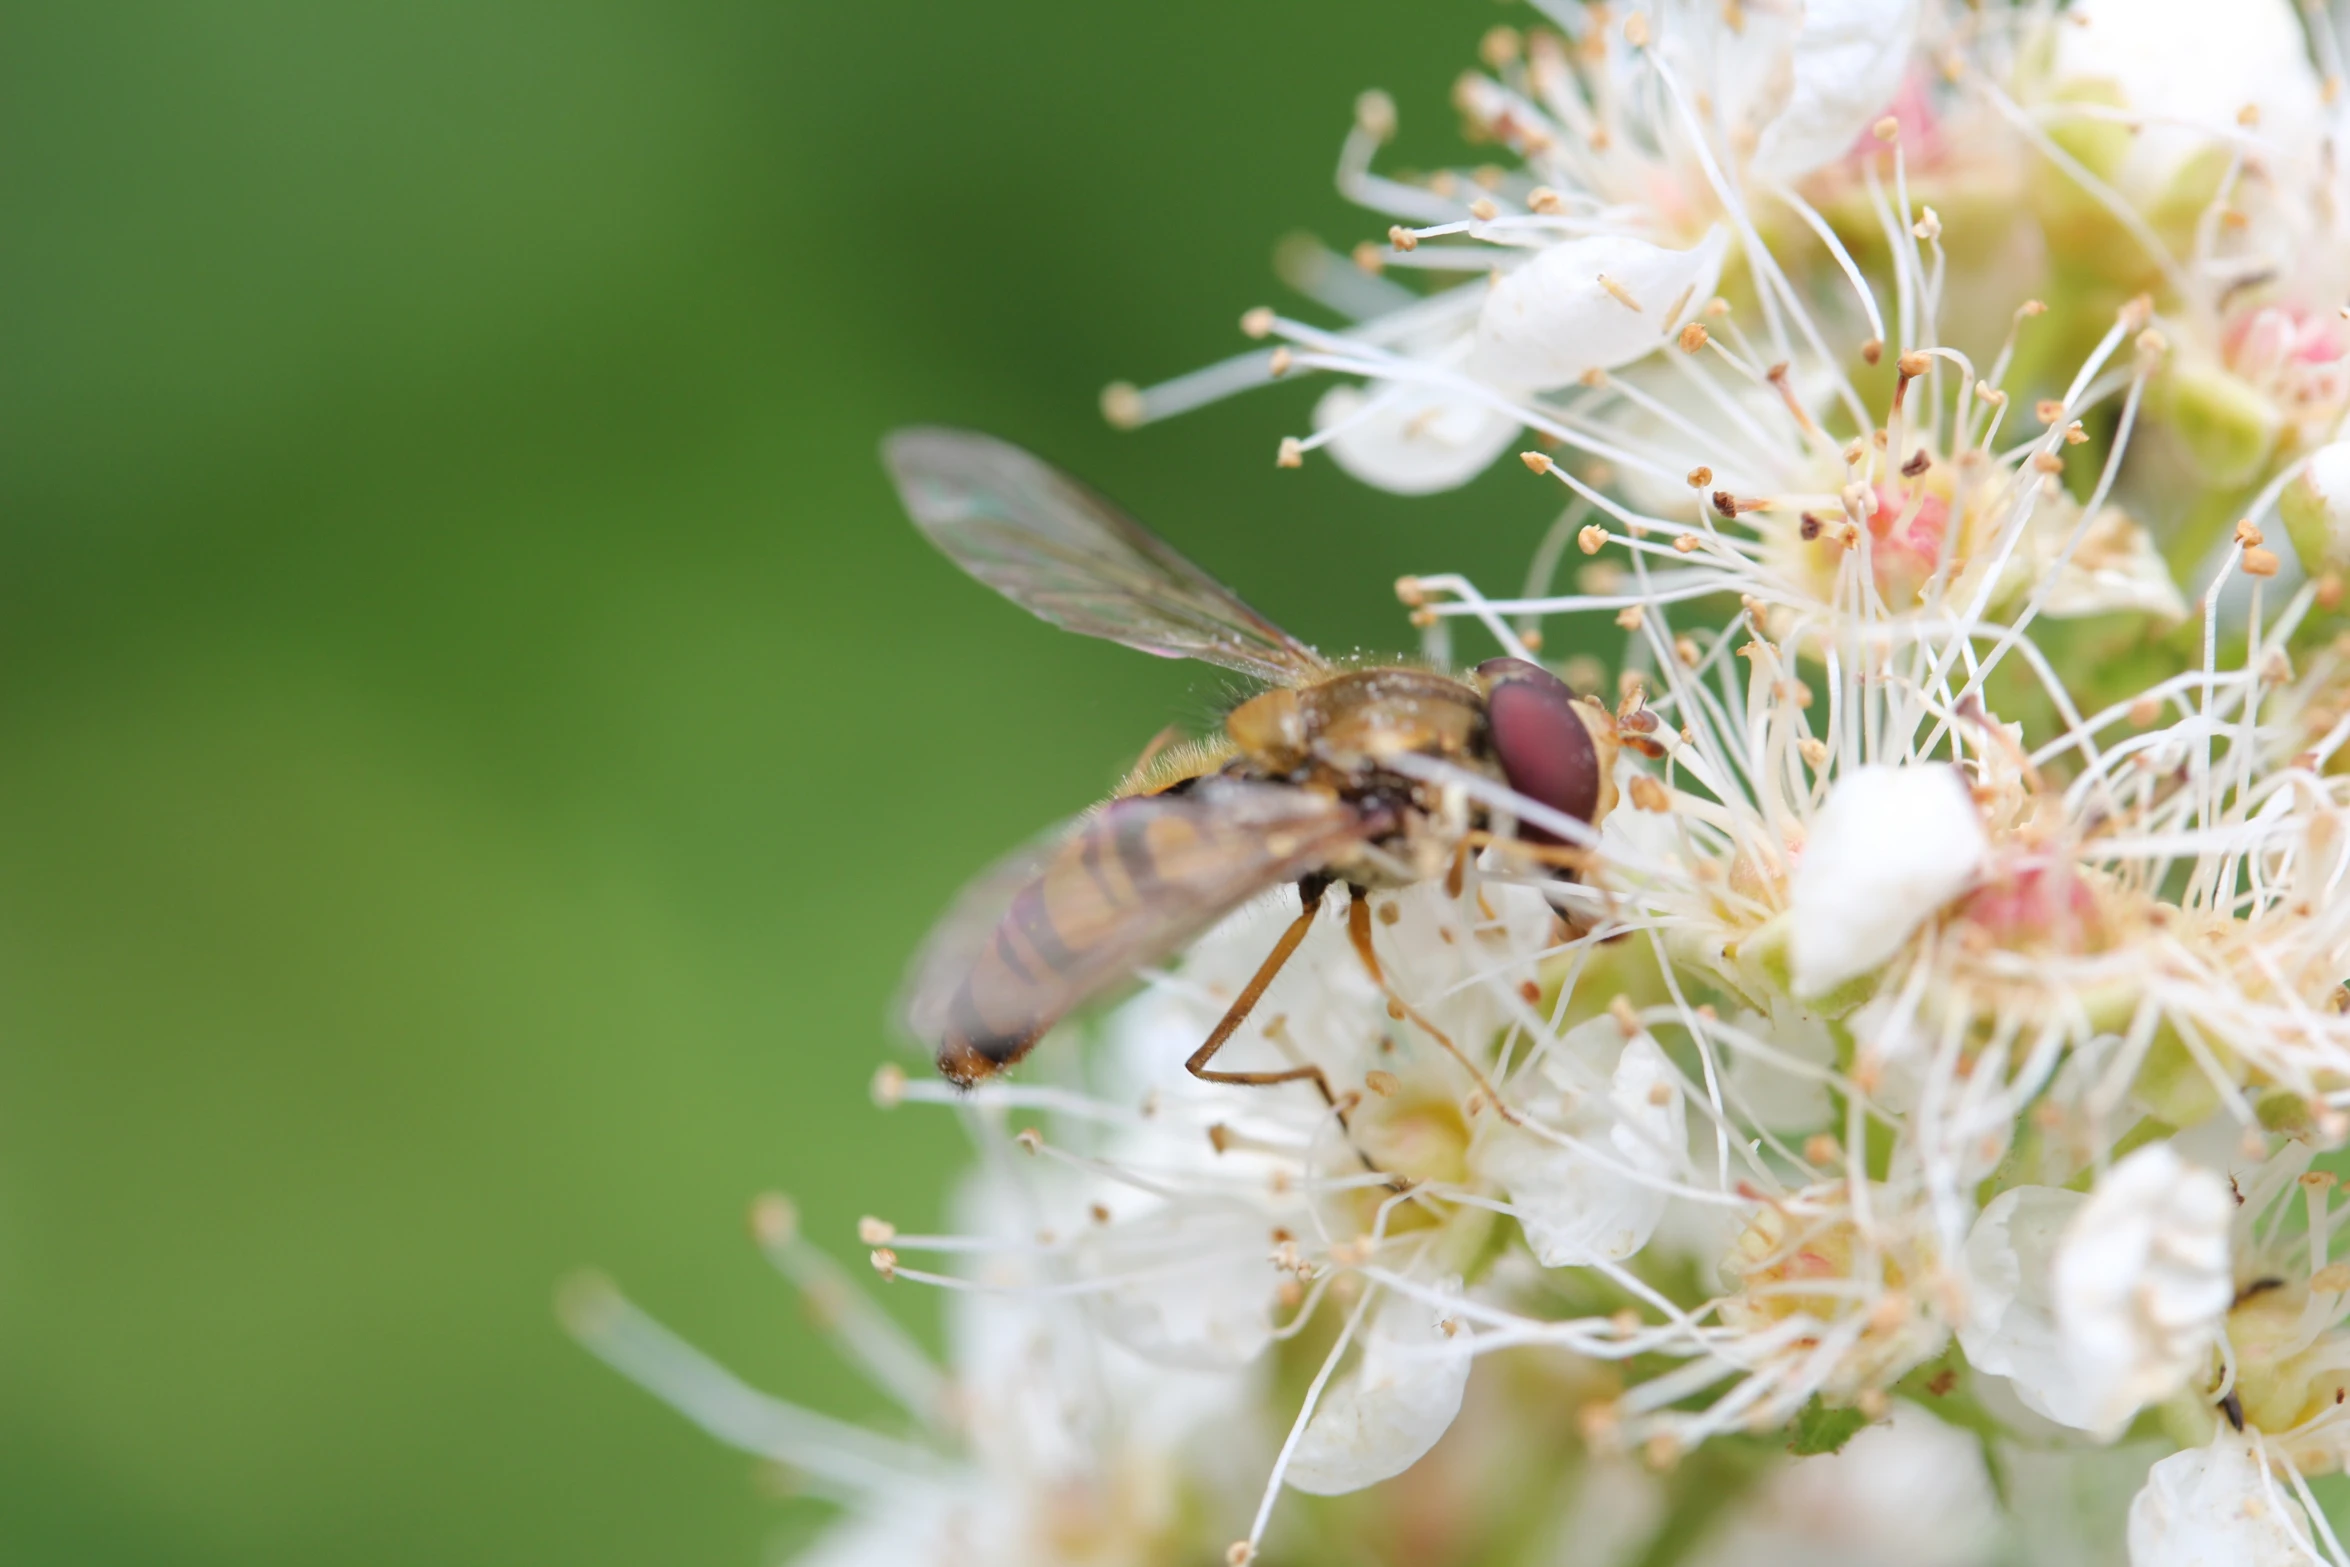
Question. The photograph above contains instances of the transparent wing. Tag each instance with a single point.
(1058, 550)
(1114, 891)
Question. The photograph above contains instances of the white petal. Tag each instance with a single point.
(1890, 847)
(1574, 1208)
(1849, 59)
(2116, 568)
(2010, 1329)
(1377, 1419)
(1552, 319)
(1195, 1289)
(2207, 1507)
(2195, 66)
(2142, 1282)
(1414, 440)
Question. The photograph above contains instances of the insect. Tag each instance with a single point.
(1301, 788)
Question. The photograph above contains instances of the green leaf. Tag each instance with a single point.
(1820, 1429)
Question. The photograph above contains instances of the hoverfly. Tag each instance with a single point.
(1299, 789)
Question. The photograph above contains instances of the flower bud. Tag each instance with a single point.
(2316, 509)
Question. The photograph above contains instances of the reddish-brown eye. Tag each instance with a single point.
(1544, 747)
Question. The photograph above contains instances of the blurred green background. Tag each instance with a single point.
(476, 737)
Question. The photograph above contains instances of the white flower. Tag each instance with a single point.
(2215, 1507)
(1575, 1206)
(2098, 1305)
(1044, 1448)
(1380, 1415)
(1890, 848)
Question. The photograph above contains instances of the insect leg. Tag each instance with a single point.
(1358, 931)
(1309, 894)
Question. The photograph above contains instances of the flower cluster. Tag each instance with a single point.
(1940, 1054)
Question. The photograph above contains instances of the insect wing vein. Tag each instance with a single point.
(1066, 555)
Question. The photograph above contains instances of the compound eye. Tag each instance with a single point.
(1540, 738)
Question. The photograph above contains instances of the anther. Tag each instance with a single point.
(1918, 463)
(1627, 1016)
(1257, 322)
(1409, 591)
(1280, 362)
(2248, 533)
(1630, 617)
(1693, 337)
(1619, 293)
(1649, 795)
(1686, 543)
(885, 1262)
(1700, 476)
(1872, 351)
(1539, 462)
(1887, 129)
(1928, 227)
(1685, 649)
(1382, 1083)
(1375, 114)
(1290, 454)
(1220, 1137)
(1369, 258)
(1808, 528)
(2261, 563)
(1546, 201)
(1483, 211)
(1122, 406)
(1402, 238)
(1912, 364)
(1031, 1140)
(1499, 47)
(875, 1232)
(1592, 539)
(1636, 30)
(774, 1219)
(889, 1086)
